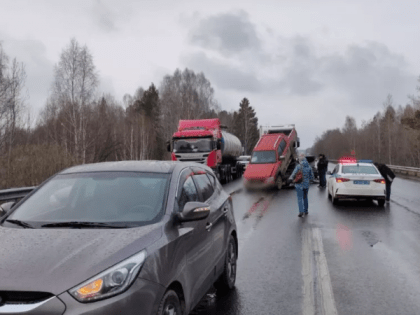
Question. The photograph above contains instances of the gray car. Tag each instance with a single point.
(138, 237)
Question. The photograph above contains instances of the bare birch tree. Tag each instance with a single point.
(74, 85)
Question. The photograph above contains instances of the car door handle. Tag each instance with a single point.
(208, 226)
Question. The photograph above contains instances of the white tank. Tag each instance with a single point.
(231, 145)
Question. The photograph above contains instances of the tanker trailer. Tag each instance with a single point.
(203, 141)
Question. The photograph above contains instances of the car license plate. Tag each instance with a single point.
(361, 182)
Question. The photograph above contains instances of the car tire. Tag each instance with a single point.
(279, 182)
(227, 280)
(381, 202)
(334, 200)
(170, 304)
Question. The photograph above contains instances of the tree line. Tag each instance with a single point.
(392, 136)
(78, 126)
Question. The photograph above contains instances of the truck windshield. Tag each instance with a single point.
(192, 145)
(263, 157)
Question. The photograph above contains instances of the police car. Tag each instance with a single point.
(352, 179)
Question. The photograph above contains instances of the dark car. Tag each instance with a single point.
(138, 237)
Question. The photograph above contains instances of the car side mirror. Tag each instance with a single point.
(281, 157)
(5, 208)
(194, 211)
(168, 146)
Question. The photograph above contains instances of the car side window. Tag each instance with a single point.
(188, 193)
(212, 179)
(204, 185)
(335, 171)
(282, 146)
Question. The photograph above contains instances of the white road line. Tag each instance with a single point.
(315, 274)
(307, 273)
(327, 296)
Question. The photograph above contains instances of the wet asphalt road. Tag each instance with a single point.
(353, 258)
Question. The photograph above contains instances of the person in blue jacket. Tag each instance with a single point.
(303, 187)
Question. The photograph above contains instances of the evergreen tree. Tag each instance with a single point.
(246, 125)
(149, 106)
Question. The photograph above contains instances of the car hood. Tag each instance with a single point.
(55, 260)
(259, 171)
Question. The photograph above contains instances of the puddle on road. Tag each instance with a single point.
(207, 303)
(258, 210)
(371, 238)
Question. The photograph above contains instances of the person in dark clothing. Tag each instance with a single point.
(388, 175)
(322, 170)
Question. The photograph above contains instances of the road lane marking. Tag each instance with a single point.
(307, 274)
(327, 296)
(316, 277)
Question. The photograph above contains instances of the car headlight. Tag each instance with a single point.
(110, 282)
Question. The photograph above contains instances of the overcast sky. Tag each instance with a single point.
(305, 62)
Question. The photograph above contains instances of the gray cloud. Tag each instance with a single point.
(104, 17)
(367, 73)
(227, 33)
(224, 76)
(300, 69)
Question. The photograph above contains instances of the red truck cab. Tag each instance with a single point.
(272, 159)
(203, 141)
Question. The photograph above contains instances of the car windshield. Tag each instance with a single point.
(359, 169)
(192, 145)
(263, 157)
(129, 198)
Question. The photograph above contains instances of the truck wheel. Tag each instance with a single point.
(279, 183)
(223, 176)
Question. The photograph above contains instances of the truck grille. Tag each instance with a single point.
(201, 160)
(21, 297)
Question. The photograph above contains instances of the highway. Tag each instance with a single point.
(353, 258)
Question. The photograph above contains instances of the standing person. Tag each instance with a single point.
(389, 177)
(303, 187)
(322, 170)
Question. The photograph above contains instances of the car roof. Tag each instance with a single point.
(268, 141)
(147, 166)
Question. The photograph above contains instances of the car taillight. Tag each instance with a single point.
(379, 181)
(342, 180)
(173, 157)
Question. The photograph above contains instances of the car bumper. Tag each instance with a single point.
(142, 297)
(255, 184)
(359, 194)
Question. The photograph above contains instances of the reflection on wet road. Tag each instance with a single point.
(353, 258)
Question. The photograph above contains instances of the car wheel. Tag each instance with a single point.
(279, 182)
(381, 202)
(227, 280)
(334, 200)
(170, 304)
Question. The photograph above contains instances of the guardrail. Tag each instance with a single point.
(410, 171)
(405, 170)
(14, 194)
